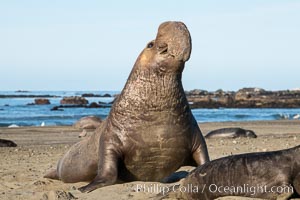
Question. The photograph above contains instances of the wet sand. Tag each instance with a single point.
(39, 148)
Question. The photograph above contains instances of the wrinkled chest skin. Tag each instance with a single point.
(158, 134)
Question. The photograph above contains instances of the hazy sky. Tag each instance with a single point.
(92, 45)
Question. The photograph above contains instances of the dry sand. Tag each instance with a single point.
(39, 148)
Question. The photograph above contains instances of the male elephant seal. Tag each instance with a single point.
(7, 143)
(150, 131)
(230, 133)
(265, 175)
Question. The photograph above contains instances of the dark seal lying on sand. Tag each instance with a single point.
(230, 133)
(150, 131)
(265, 175)
(7, 143)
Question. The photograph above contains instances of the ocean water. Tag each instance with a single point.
(15, 111)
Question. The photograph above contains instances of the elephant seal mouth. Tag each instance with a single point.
(163, 48)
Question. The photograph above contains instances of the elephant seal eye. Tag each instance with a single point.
(150, 45)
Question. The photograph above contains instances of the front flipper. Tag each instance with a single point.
(199, 148)
(108, 167)
(98, 182)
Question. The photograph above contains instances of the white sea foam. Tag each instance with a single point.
(13, 126)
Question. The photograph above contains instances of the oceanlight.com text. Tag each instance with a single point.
(213, 188)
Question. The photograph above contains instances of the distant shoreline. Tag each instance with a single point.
(248, 104)
(243, 98)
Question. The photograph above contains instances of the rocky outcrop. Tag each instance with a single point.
(21, 91)
(41, 101)
(244, 98)
(91, 105)
(95, 95)
(91, 95)
(99, 105)
(56, 108)
(74, 100)
(106, 95)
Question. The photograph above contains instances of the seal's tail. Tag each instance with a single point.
(52, 175)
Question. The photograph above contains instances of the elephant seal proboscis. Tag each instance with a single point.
(230, 133)
(265, 175)
(150, 131)
(7, 143)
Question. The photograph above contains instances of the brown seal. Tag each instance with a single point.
(150, 131)
(230, 133)
(88, 122)
(7, 143)
(265, 175)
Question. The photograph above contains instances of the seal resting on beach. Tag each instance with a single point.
(87, 123)
(150, 131)
(265, 175)
(7, 143)
(230, 133)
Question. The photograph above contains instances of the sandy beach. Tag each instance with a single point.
(39, 148)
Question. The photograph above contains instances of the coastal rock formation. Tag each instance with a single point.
(41, 101)
(74, 100)
(90, 95)
(21, 91)
(106, 95)
(94, 105)
(56, 108)
(244, 98)
(95, 95)
(99, 105)
(91, 105)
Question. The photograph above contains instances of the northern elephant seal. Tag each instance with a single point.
(150, 131)
(88, 122)
(265, 175)
(230, 133)
(7, 143)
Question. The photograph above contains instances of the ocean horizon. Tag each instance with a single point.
(20, 111)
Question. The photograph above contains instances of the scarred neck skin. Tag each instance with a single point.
(149, 91)
(154, 90)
